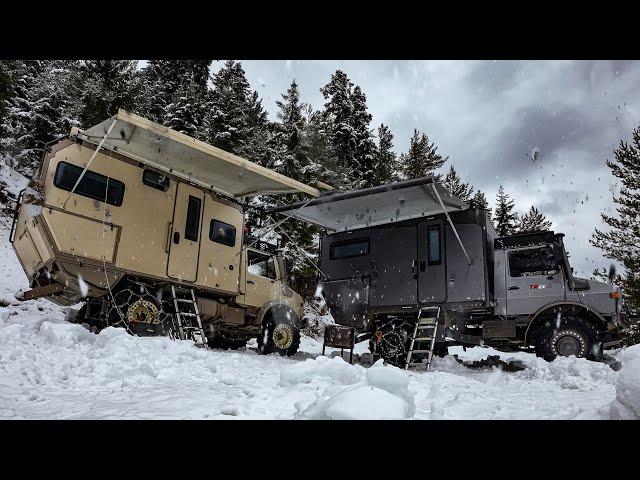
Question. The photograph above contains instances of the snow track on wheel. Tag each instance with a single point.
(53, 369)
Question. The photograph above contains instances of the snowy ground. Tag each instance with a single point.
(51, 369)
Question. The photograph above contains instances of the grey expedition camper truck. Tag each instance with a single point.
(392, 255)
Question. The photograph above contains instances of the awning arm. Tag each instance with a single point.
(300, 249)
(113, 124)
(451, 223)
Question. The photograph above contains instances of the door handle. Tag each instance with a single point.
(176, 237)
(251, 282)
(413, 269)
(514, 287)
(423, 265)
(550, 277)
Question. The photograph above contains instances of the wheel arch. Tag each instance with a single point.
(542, 313)
(277, 307)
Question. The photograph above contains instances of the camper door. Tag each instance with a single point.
(431, 262)
(185, 233)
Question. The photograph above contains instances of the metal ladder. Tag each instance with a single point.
(423, 333)
(188, 329)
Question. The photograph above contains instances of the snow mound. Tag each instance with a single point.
(570, 373)
(334, 369)
(381, 392)
(626, 406)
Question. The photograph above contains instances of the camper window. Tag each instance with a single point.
(532, 261)
(223, 233)
(92, 185)
(350, 248)
(261, 265)
(157, 180)
(433, 239)
(193, 219)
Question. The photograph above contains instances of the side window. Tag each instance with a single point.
(261, 265)
(223, 233)
(433, 244)
(192, 225)
(93, 185)
(350, 248)
(532, 261)
(157, 180)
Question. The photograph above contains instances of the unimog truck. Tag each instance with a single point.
(146, 226)
(394, 254)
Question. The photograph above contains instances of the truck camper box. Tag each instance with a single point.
(399, 247)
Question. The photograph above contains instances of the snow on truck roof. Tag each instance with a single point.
(368, 207)
(198, 162)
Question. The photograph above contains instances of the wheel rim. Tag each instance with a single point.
(143, 311)
(282, 336)
(569, 342)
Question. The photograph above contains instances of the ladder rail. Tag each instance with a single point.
(429, 338)
(186, 332)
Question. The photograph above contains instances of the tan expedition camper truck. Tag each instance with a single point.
(145, 225)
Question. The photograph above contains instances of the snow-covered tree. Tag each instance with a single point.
(385, 165)
(481, 199)
(622, 241)
(533, 221)
(505, 218)
(236, 113)
(422, 159)
(107, 85)
(42, 106)
(456, 186)
(365, 148)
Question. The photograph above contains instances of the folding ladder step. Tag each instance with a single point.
(187, 314)
(429, 323)
(420, 351)
(184, 300)
(423, 339)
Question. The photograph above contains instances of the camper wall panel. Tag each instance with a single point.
(465, 282)
(144, 214)
(219, 264)
(393, 251)
(81, 236)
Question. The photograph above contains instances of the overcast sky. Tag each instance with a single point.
(489, 116)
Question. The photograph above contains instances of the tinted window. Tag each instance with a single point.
(193, 219)
(157, 180)
(261, 265)
(351, 248)
(433, 239)
(533, 261)
(223, 233)
(92, 185)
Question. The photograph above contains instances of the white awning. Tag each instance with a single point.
(390, 203)
(191, 159)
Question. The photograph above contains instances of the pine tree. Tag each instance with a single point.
(385, 165)
(41, 107)
(422, 160)
(455, 185)
(622, 241)
(481, 199)
(337, 125)
(533, 221)
(365, 148)
(6, 93)
(505, 216)
(107, 86)
(236, 112)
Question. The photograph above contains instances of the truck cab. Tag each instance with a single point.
(536, 291)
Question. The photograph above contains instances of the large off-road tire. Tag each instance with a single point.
(392, 342)
(137, 309)
(279, 334)
(570, 335)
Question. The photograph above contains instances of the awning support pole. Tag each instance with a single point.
(308, 258)
(450, 222)
(95, 153)
(272, 227)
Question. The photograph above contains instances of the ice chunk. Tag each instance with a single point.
(364, 402)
